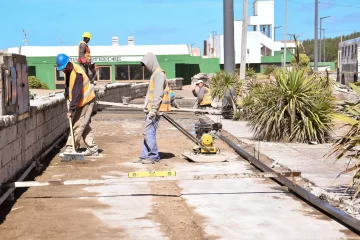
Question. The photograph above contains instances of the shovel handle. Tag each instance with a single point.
(71, 128)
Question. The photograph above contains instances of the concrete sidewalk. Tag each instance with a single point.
(320, 172)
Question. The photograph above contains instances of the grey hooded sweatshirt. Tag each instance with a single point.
(151, 63)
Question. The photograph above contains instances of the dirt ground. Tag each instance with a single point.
(62, 212)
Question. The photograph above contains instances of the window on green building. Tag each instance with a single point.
(31, 71)
(105, 73)
(131, 72)
(60, 76)
(136, 72)
(122, 72)
(147, 74)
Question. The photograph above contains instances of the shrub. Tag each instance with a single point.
(250, 73)
(350, 140)
(35, 83)
(224, 82)
(269, 69)
(294, 107)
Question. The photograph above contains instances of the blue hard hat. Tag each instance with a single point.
(61, 61)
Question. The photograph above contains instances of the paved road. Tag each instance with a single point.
(207, 209)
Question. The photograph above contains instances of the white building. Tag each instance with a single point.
(260, 37)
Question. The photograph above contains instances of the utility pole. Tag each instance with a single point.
(25, 39)
(244, 40)
(316, 36)
(229, 47)
(285, 33)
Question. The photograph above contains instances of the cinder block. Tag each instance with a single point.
(48, 114)
(39, 132)
(40, 118)
(48, 139)
(30, 138)
(16, 148)
(3, 175)
(21, 128)
(30, 123)
(6, 155)
(8, 135)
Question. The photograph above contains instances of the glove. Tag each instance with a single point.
(66, 93)
(152, 114)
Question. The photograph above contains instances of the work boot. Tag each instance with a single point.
(90, 153)
(149, 161)
(139, 160)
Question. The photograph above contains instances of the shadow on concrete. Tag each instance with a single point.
(165, 155)
(6, 206)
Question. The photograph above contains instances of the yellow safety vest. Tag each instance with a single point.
(207, 99)
(165, 101)
(87, 51)
(88, 92)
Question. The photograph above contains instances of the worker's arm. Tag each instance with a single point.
(200, 96)
(76, 92)
(159, 82)
(194, 93)
(82, 53)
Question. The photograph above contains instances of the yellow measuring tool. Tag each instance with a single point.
(152, 174)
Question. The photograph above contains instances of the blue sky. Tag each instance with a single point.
(155, 21)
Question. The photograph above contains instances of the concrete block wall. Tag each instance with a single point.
(23, 141)
(176, 83)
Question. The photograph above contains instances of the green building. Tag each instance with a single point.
(118, 63)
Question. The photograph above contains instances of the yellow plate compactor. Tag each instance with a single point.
(204, 150)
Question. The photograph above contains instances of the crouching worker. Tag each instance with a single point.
(81, 95)
(203, 94)
(157, 101)
(172, 100)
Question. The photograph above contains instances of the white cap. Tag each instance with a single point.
(199, 81)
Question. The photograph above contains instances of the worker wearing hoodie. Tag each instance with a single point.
(157, 101)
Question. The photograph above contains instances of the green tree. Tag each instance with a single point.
(331, 45)
(304, 61)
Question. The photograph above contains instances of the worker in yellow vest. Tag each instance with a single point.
(157, 101)
(84, 58)
(203, 94)
(81, 95)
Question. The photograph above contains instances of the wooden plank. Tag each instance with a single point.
(172, 109)
(25, 89)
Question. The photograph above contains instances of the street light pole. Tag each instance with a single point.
(316, 36)
(285, 33)
(275, 31)
(320, 34)
(324, 45)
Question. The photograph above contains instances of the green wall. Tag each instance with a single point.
(184, 66)
(277, 58)
(325, 64)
